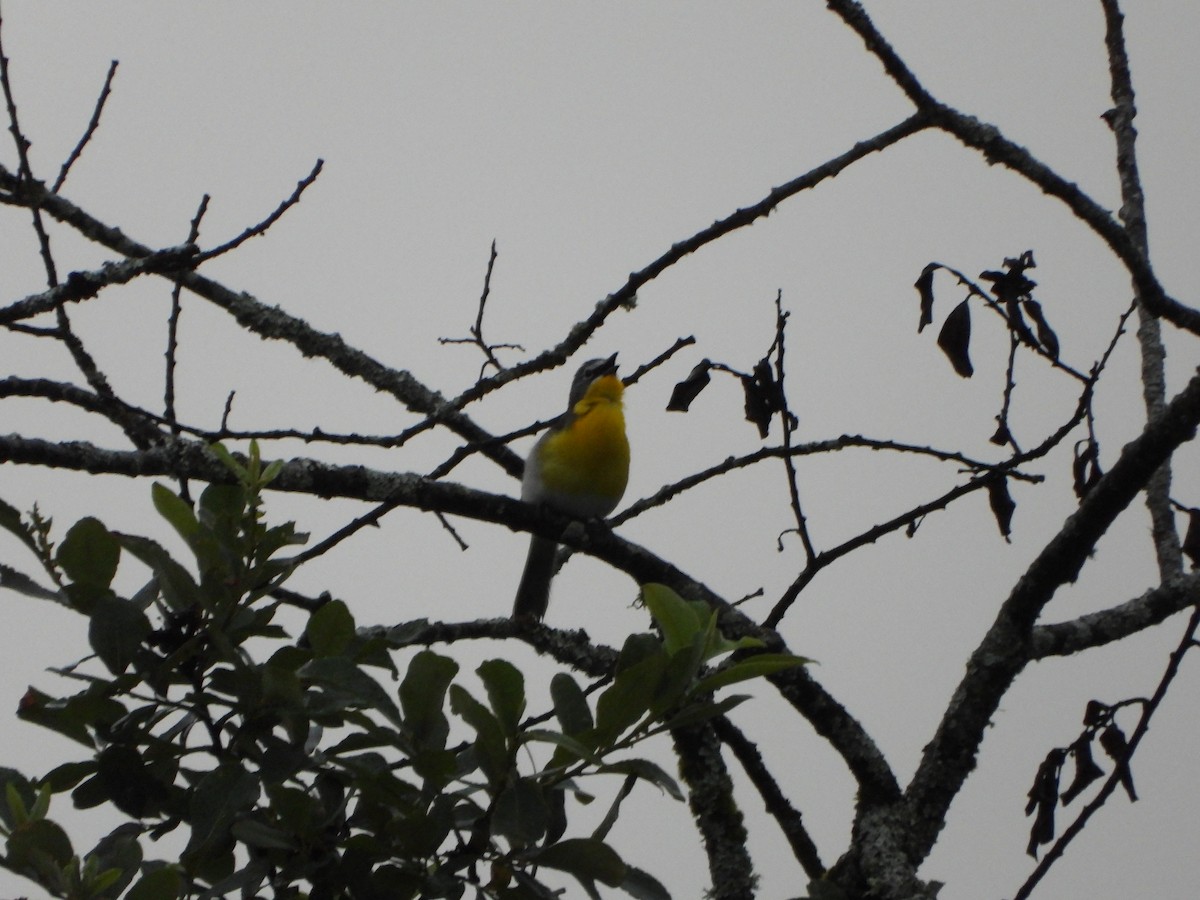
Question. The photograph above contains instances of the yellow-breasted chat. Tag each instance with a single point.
(579, 467)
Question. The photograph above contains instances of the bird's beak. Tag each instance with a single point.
(610, 366)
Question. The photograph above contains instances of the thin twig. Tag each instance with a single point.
(786, 816)
(89, 131)
(996, 148)
(1121, 769)
(1010, 383)
(626, 294)
(641, 371)
(476, 330)
(1001, 470)
(830, 445)
(788, 421)
(261, 227)
(173, 341)
(1133, 216)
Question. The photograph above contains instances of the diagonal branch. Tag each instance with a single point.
(92, 125)
(1186, 643)
(1006, 648)
(81, 286)
(741, 218)
(996, 148)
(1149, 333)
(271, 322)
(787, 816)
(1118, 622)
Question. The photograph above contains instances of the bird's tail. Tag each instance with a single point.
(533, 594)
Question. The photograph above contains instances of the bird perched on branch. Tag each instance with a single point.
(579, 467)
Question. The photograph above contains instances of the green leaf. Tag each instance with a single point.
(701, 711)
(228, 460)
(39, 840)
(637, 647)
(758, 666)
(255, 833)
(571, 747)
(505, 686)
(64, 777)
(345, 685)
(161, 884)
(99, 885)
(41, 805)
(215, 801)
(688, 623)
(178, 588)
(116, 857)
(222, 507)
(676, 617)
(643, 886)
(556, 803)
(716, 644)
(628, 698)
(330, 629)
(570, 704)
(521, 813)
(679, 676)
(490, 741)
(116, 632)
(72, 716)
(89, 554)
(176, 511)
(128, 782)
(423, 698)
(19, 797)
(585, 858)
(647, 771)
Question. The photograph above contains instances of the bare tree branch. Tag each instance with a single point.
(1133, 215)
(1116, 623)
(1005, 650)
(89, 131)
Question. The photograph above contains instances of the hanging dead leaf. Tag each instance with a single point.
(1002, 436)
(1112, 739)
(924, 286)
(764, 396)
(955, 339)
(1043, 797)
(1086, 771)
(688, 389)
(1003, 505)
(1045, 334)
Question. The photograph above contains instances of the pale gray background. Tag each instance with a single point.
(586, 139)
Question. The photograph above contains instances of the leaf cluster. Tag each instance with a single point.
(287, 764)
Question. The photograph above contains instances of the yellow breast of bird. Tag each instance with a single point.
(585, 467)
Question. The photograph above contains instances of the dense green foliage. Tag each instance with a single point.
(289, 765)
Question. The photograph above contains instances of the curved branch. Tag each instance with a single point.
(626, 294)
(786, 816)
(996, 148)
(273, 323)
(178, 457)
(1005, 649)
(1133, 214)
(715, 811)
(1001, 470)
(1118, 622)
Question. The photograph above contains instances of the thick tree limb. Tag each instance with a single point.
(1006, 648)
(1099, 628)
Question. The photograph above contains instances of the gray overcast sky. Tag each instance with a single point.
(586, 139)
